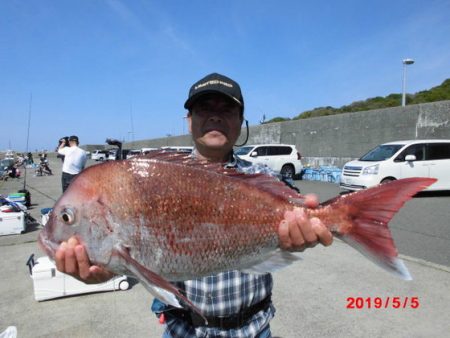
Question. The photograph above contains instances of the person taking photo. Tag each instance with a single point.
(74, 160)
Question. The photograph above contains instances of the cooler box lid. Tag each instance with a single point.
(43, 264)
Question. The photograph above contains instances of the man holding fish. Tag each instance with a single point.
(234, 303)
(209, 228)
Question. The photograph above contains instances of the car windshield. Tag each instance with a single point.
(381, 153)
(243, 150)
(6, 163)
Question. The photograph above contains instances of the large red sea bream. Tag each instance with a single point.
(168, 217)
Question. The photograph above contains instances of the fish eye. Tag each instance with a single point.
(68, 216)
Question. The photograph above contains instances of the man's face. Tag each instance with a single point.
(215, 122)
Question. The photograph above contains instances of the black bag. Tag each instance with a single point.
(27, 197)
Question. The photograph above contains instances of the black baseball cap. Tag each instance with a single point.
(73, 138)
(215, 83)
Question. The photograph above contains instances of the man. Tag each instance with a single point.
(74, 160)
(236, 304)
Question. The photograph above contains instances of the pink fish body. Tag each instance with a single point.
(167, 217)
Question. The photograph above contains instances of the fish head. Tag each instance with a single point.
(81, 212)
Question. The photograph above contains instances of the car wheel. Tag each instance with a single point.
(387, 180)
(287, 171)
(124, 285)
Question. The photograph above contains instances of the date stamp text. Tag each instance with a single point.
(383, 302)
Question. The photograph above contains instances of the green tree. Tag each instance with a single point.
(438, 93)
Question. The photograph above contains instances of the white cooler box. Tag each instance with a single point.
(12, 223)
(49, 283)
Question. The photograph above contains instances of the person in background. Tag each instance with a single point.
(30, 158)
(44, 168)
(43, 156)
(236, 304)
(74, 160)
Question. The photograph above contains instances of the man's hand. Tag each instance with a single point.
(297, 232)
(71, 258)
(62, 143)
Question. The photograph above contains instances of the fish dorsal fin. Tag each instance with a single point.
(167, 156)
(269, 184)
(262, 181)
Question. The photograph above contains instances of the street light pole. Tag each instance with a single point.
(405, 62)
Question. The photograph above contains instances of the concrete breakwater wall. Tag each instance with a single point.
(336, 139)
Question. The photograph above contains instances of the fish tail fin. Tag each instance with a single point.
(368, 214)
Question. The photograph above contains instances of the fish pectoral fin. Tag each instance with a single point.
(154, 283)
(163, 295)
(278, 260)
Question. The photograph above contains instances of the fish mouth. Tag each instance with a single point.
(47, 245)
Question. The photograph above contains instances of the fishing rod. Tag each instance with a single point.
(28, 138)
(24, 190)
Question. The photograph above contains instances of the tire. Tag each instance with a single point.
(124, 285)
(288, 171)
(387, 180)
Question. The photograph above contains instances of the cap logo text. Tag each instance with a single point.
(213, 82)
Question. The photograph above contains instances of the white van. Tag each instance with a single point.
(400, 159)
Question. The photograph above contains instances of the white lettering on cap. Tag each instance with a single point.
(213, 82)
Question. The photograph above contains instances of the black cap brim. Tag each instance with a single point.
(190, 101)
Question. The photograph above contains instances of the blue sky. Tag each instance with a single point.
(99, 68)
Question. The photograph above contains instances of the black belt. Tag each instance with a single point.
(225, 323)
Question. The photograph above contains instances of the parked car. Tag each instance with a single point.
(112, 155)
(10, 155)
(282, 158)
(6, 168)
(147, 150)
(180, 149)
(100, 155)
(133, 153)
(400, 159)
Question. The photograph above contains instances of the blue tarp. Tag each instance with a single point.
(323, 173)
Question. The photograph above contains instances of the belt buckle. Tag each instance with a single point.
(240, 319)
(196, 320)
(221, 322)
(231, 322)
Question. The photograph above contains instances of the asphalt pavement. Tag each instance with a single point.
(332, 292)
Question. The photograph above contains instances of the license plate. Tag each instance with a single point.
(347, 180)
